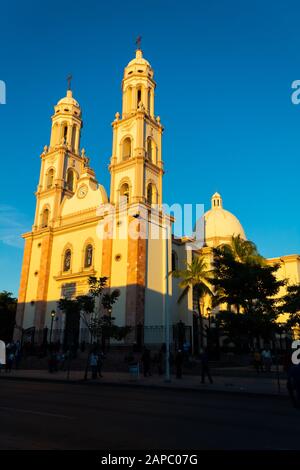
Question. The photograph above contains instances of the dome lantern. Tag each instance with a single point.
(216, 201)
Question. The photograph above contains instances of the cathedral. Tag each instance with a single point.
(80, 231)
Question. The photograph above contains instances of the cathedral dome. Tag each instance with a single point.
(220, 225)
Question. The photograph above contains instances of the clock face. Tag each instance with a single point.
(82, 191)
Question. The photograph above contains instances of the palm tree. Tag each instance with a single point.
(197, 277)
(243, 251)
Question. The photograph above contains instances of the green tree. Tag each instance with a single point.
(95, 310)
(8, 307)
(291, 305)
(247, 286)
(195, 277)
(244, 251)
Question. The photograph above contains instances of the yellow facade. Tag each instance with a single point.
(79, 231)
(75, 219)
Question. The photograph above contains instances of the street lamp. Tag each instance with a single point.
(53, 313)
(208, 339)
(208, 310)
(165, 303)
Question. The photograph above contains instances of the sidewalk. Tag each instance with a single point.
(243, 385)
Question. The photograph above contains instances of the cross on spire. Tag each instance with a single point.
(138, 42)
(69, 80)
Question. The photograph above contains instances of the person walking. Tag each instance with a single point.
(205, 371)
(9, 361)
(257, 361)
(266, 359)
(293, 384)
(100, 363)
(94, 364)
(179, 363)
(146, 361)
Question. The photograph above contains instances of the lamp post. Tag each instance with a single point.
(208, 311)
(51, 328)
(166, 299)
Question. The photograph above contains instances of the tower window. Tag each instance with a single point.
(88, 256)
(126, 148)
(149, 149)
(124, 192)
(149, 101)
(67, 260)
(50, 178)
(150, 194)
(174, 261)
(70, 180)
(73, 137)
(65, 134)
(45, 218)
(139, 96)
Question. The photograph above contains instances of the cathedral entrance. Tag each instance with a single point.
(72, 330)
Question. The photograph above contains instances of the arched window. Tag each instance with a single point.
(50, 178)
(88, 256)
(129, 99)
(124, 192)
(126, 154)
(139, 96)
(174, 261)
(70, 180)
(67, 260)
(73, 142)
(150, 194)
(149, 100)
(149, 149)
(45, 218)
(65, 134)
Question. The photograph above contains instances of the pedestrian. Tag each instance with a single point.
(62, 361)
(52, 362)
(205, 371)
(257, 361)
(100, 363)
(179, 363)
(293, 384)
(93, 364)
(146, 361)
(9, 361)
(266, 359)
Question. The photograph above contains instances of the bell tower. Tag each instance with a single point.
(136, 169)
(61, 162)
(136, 164)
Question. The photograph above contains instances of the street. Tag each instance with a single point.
(67, 416)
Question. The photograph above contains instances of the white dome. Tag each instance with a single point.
(220, 225)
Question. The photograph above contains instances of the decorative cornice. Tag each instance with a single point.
(66, 276)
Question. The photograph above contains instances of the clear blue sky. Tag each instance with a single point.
(224, 71)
